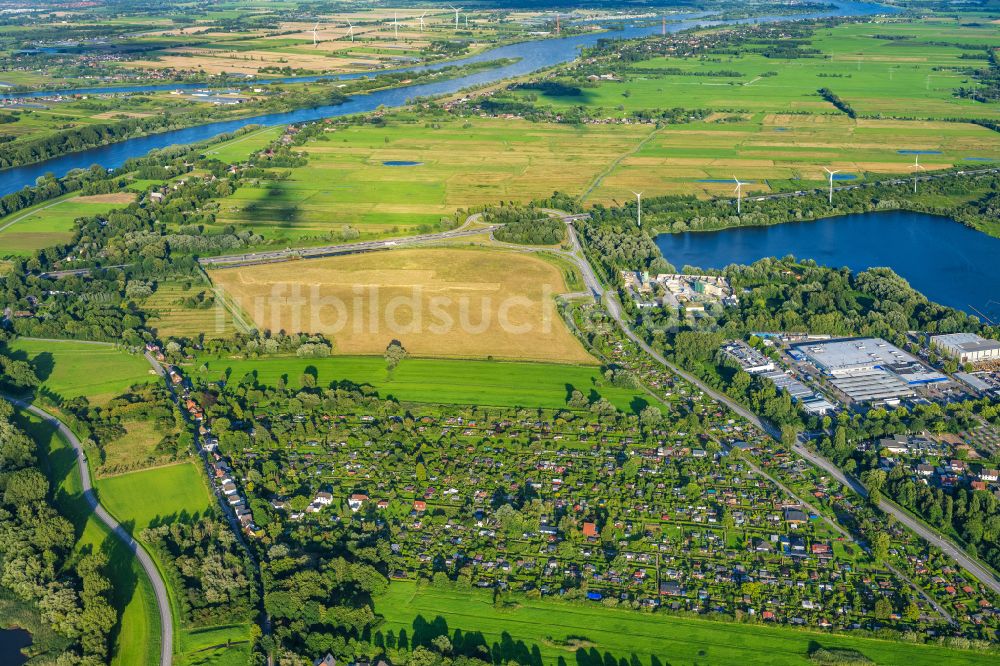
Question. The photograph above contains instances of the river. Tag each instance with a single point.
(12, 641)
(532, 56)
(946, 261)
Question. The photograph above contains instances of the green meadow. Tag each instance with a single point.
(136, 638)
(69, 369)
(855, 63)
(45, 224)
(460, 164)
(783, 151)
(497, 383)
(168, 493)
(240, 148)
(177, 492)
(560, 633)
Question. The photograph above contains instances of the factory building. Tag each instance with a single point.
(967, 347)
(869, 369)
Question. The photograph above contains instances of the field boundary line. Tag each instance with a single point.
(614, 164)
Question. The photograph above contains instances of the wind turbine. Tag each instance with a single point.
(831, 182)
(457, 10)
(395, 25)
(422, 21)
(739, 193)
(638, 201)
(916, 166)
(315, 41)
(350, 30)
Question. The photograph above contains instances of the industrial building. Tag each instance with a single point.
(755, 363)
(869, 369)
(967, 347)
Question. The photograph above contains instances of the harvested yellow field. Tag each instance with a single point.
(441, 302)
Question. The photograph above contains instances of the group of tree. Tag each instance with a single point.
(38, 564)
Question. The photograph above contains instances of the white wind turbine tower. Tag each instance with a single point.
(739, 193)
(315, 41)
(350, 30)
(457, 10)
(395, 25)
(916, 166)
(422, 21)
(831, 182)
(638, 201)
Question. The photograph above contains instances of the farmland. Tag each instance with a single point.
(550, 633)
(69, 369)
(776, 151)
(346, 190)
(420, 380)
(51, 223)
(459, 164)
(187, 309)
(449, 302)
(903, 70)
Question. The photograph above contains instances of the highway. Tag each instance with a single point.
(159, 588)
(343, 248)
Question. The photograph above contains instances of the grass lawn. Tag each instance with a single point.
(208, 646)
(558, 633)
(136, 638)
(70, 368)
(495, 383)
(51, 222)
(166, 493)
(451, 302)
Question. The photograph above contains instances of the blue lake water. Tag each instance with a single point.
(946, 261)
(12, 641)
(531, 56)
(400, 163)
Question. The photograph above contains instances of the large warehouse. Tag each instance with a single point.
(851, 356)
(869, 369)
(967, 347)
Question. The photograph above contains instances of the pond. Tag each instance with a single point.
(12, 641)
(946, 261)
(400, 163)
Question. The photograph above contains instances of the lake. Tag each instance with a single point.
(12, 641)
(946, 261)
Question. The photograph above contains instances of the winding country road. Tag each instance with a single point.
(159, 588)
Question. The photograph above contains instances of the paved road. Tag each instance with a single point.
(983, 575)
(159, 589)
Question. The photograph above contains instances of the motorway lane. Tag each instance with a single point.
(343, 248)
(159, 588)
